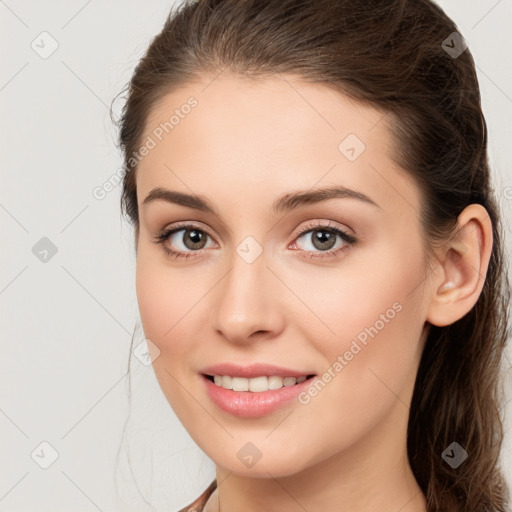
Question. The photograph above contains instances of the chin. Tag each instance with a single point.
(277, 463)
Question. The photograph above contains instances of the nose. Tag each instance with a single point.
(248, 301)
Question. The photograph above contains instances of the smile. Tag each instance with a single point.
(256, 384)
(254, 397)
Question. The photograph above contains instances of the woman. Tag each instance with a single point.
(319, 253)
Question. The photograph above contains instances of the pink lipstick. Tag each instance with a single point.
(254, 390)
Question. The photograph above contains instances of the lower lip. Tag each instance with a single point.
(248, 404)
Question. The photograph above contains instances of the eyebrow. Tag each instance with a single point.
(285, 203)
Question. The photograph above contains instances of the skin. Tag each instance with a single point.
(246, 144)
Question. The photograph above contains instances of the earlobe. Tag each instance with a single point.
(463, 264)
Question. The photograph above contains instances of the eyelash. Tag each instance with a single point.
(162, 237)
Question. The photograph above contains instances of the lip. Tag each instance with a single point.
(248, 404)
(253, 370)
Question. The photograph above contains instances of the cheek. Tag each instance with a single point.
(369, 319)
(164, 297)
(370, 361)
(167, 301)
(346, 301)
(174, 305)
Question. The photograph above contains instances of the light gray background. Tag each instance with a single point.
(67, 323)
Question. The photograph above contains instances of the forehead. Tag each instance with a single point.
(247, 108)
(279, 131)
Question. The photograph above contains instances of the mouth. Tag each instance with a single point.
(256, 384)
(255, 397)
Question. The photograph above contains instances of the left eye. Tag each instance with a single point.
(324, 239)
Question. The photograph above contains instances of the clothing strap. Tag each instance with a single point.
(198, 505)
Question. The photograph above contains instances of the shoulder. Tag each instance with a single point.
(199, 503)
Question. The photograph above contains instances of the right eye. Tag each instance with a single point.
(181, 241)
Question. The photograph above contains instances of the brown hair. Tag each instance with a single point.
(388, 54)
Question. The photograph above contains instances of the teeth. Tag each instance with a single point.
(256, 384)
(239, 384)
(289, 381)
(275, 382)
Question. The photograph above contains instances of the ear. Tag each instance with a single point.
(463, 264)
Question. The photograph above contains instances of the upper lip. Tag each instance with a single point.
(253, 370)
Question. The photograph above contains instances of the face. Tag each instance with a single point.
(331, 286)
